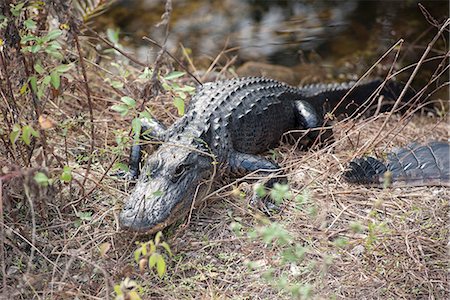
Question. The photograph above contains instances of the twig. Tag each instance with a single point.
(26, 189)
(2, 241)
(408, 83)
(91, 113)
(154, 85)
(133, 59)
(10, 90)
(174, 58)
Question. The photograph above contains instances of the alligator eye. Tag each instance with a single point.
(179, 171)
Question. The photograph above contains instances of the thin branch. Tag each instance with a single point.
(133, 59)
(411, 78)
(2, 241)
(91, 113)
(174, 58)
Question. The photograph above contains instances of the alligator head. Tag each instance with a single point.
(166, 188)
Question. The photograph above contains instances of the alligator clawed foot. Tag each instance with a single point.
(125, 175)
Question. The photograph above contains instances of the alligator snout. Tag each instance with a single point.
(147, 209)
(134, 219)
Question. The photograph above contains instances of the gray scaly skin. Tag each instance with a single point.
(413, 165)
(227, 124)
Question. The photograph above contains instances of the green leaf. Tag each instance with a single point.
(136, 125)
(146, 74)
(157, 193)
(117, 290)
(160, 266)
(144, 249)
(15, 133)
(54, 45)
(117, 84)
(179, 104)
(24, 89)
(27, 38)
(166, 87)
(133, 295)
(280, 192)
(167, 247)
(40, 91)
(187, 89)
(63, 68)
(173, 75)
(260, 190)
(33, 82)
(38, 68)
(152, 260)
(158, 237)
(120, 108)
(113, 35)
(30, 24)
(152, 247)
(27, 131)
(54, 54)
(66, 175)
(146, 115)
(16, 9)
(137, 254)
(35, 48)
(41, 179)
(55, 79)
(46, 80)
(182, 95)
(85, 216)
(121, 166)
(128, 101)
(54, 34)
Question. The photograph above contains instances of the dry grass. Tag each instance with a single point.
(402, 255)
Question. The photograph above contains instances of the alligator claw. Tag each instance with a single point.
(125, 175)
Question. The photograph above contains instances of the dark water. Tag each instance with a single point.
(281, 32)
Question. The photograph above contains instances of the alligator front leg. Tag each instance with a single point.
(244, 163)
(309, 118)
(151, 130)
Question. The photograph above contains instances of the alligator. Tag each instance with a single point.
(413, 165)
(227, 124)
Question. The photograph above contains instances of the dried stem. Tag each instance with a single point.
(413, 75)
(91, 113)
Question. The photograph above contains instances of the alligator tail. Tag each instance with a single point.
(331, 96)
(415, 165)
(366, 170)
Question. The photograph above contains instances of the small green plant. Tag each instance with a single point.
(148, 254)
(82, 217)
(24, 133)
(128, 290)
(289, 253)
(47, 43)
(280, 192)
(42, 179)
(179, 92)
(376, 230)
(66, 175)
(123, 108)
